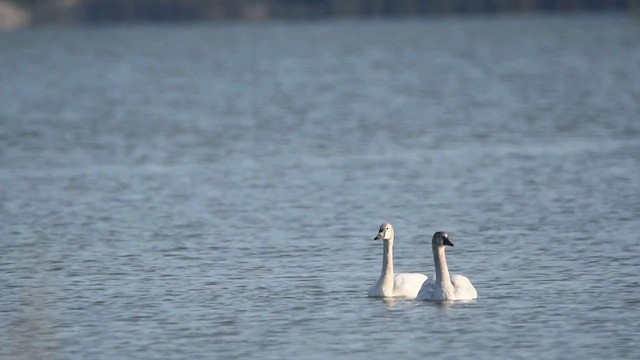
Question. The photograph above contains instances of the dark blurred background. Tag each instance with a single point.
(24, 12)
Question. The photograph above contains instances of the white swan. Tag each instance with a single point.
(404, 285)
(445, 287)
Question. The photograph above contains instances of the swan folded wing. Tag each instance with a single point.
(408, 284)
(464, 289)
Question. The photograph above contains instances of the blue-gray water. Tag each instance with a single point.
(186, 191)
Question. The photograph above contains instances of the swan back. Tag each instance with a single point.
(407, 285)
(464, 289)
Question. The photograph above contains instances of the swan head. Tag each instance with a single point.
(385, 232)
(441, 238)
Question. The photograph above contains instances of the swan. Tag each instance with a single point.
(405, 285)
(445, 287)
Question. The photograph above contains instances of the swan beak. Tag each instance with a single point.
(447, 242)
(378, 237)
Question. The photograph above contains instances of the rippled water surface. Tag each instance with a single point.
(185, 191)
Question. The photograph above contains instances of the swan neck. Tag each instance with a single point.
(442, 270)
(386, 276)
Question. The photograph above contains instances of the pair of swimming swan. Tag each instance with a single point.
(418, 286)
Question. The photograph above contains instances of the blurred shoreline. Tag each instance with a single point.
(21, 13)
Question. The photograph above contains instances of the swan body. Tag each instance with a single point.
(405, 285)
(445, 287)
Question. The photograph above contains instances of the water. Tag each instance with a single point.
(184, 191)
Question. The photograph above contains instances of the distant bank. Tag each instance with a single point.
(19, 13)
(13, 16)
